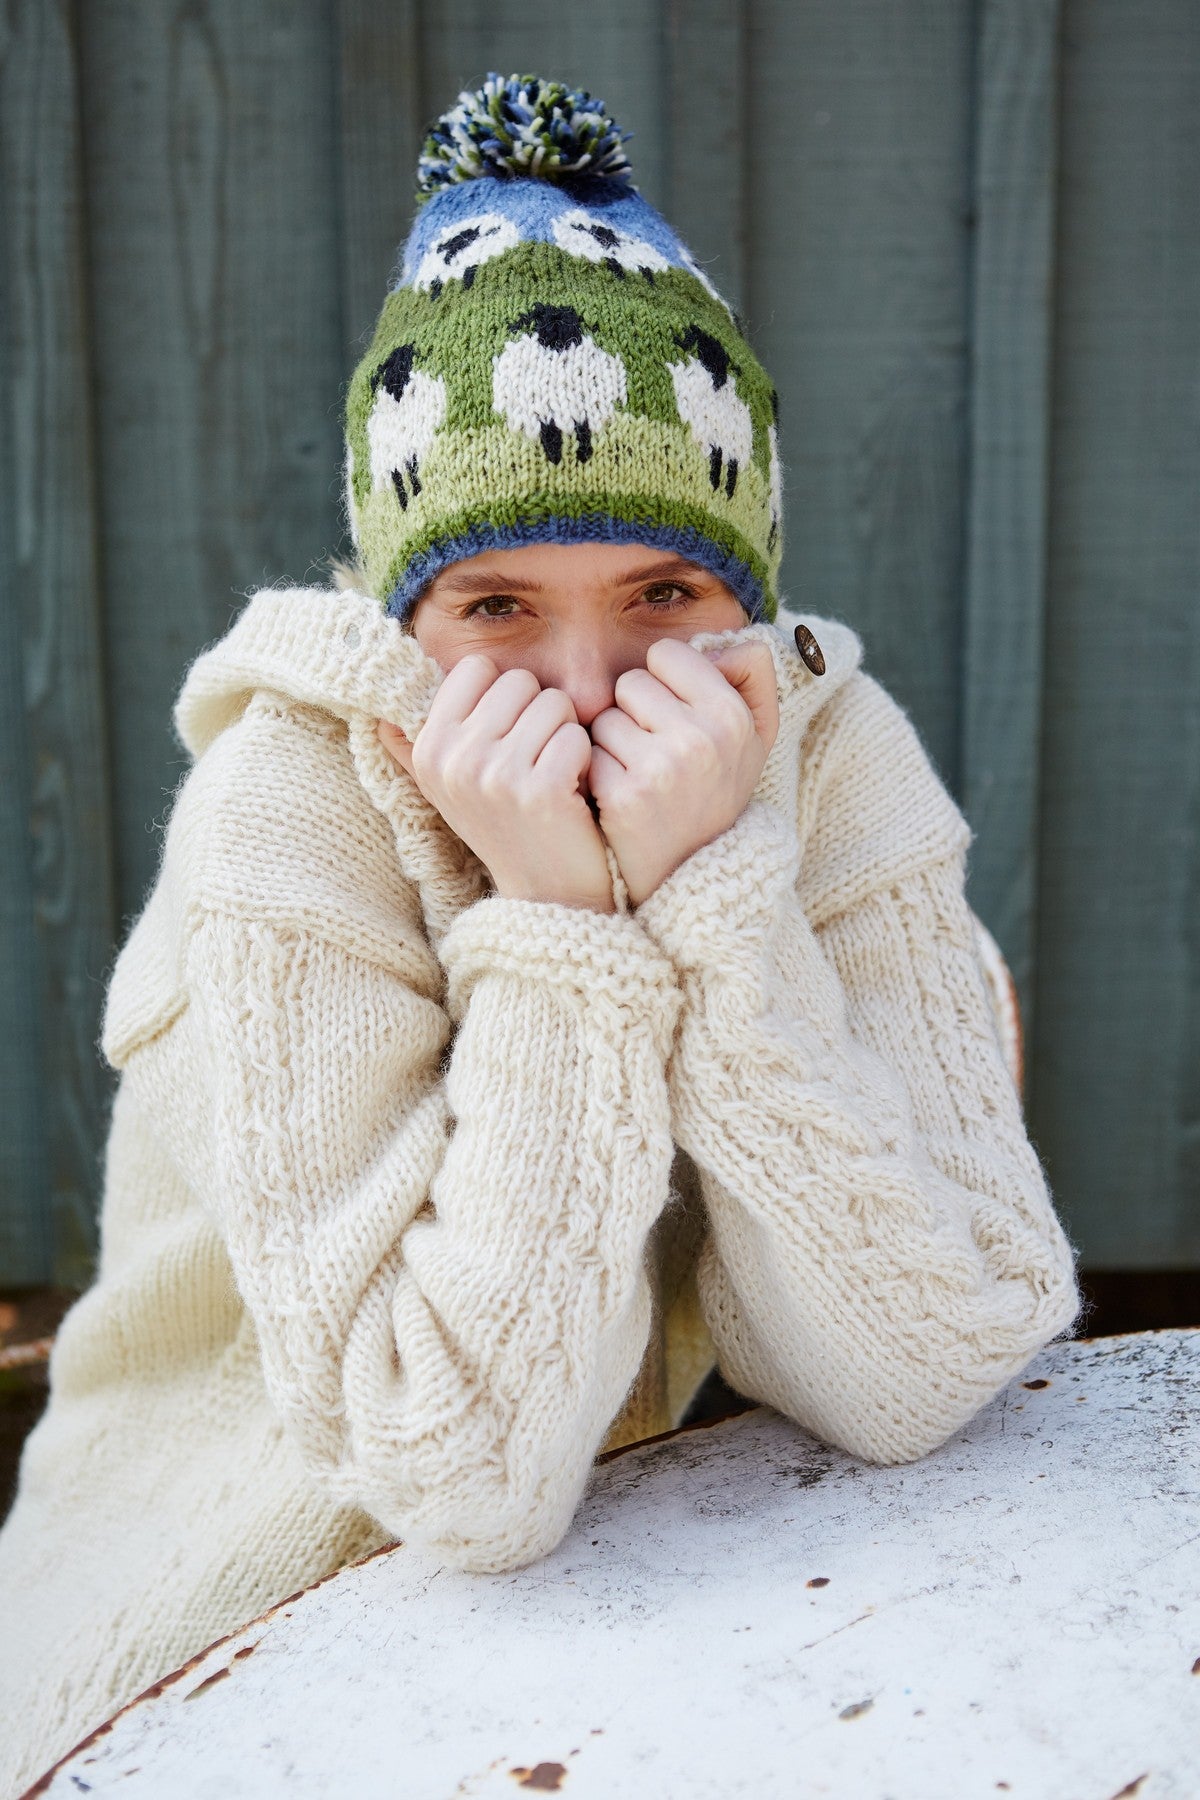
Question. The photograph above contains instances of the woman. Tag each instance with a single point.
(555, 978)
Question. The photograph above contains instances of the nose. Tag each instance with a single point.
(586, 671)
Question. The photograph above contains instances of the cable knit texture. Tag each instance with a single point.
(416, 1197)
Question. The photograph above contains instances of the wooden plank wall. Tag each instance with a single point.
(964, 238)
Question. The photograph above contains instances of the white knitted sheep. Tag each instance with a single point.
(409, 406)
(582, 233)
(709, 402)
(555, 380)
(458, 253)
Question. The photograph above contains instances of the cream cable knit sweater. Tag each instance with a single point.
(391, 1160)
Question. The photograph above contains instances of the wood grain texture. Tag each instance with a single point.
(64, 861)
(25, 1247)
(1004, 598)
(709, 118)
(212, 192)
(858, 193)
(381, 123)
(1115, 1051)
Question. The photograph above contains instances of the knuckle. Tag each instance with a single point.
(518, 682)
(573, 735)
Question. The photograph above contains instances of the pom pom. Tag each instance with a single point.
(523, 125)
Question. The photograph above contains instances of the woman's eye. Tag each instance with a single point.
(494, 606)
(664, 595)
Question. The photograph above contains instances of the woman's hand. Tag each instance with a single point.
(675, 760)
(501, 758)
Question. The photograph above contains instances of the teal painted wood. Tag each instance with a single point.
(858, 189)
(25, 1244)
(216, 297)
(971, 338)
(1004, 598)
(1114, 1065)
(381, 123)
(64, 863)
(708, 118)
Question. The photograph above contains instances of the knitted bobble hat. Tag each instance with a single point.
(551, 365)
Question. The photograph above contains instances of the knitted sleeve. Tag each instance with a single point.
(444, 1268)
(884, 1255)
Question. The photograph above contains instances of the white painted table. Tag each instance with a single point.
(740, 1611)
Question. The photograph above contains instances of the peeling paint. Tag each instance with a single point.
(210, 1681)
(546, 1777)
(854, 1712)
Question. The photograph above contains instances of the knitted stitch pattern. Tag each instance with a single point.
(553, 365)
(391, 1159)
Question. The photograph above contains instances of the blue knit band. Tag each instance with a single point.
(594, 528)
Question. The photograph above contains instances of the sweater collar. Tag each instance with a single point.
(336, 649)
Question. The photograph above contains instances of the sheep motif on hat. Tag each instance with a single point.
(709, 403)
(581, 233)
(459, 253)
(409, 407)
(556, 380)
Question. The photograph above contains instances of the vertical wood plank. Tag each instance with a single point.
(54, 594)
(857, 297)
(381, 126)
(212, 195)
(1114, 1053)
(25, 1246)
(1016, 97)
(708, 116)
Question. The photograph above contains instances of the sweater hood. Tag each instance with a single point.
(337, 650)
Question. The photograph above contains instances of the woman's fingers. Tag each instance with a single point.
(686, 673)
(604, 775)
(619, 734)
(474, 708)
(462, 689)
(544, 715)
(503, 703)
(750, 671)
(396, 744)
(566, 754)
(678, 678)
(651, 702)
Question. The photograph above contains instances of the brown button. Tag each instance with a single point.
(809, 649)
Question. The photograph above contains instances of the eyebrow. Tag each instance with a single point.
(478, 581)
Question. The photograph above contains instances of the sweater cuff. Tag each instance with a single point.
(726, 896)
(602, 959)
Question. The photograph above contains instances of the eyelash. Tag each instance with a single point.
(681, 590)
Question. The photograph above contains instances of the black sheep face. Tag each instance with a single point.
(712, 355)
(553, 381)
(395, 374)
(554, 327)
